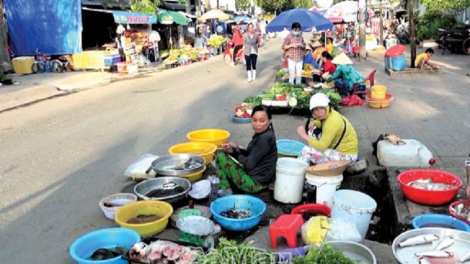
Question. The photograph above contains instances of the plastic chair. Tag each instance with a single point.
(370, 78)
(286, 226)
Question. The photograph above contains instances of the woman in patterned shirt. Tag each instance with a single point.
(294, 47)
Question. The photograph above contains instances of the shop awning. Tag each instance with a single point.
(133, 18)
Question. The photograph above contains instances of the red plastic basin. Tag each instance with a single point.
(466, 203)
(429, 197)
(309, 210)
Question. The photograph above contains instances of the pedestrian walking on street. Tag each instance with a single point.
(251, 42)
(294, 47)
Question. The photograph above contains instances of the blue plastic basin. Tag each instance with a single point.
(82, 249)
(439, 220)
(246, 202)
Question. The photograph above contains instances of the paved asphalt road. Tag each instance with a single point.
(58, 158)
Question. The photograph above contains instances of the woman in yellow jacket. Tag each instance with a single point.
(331, 138)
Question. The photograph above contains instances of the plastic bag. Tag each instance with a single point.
(342, 230)
(137, 170)
(352, 100)
(314, 230)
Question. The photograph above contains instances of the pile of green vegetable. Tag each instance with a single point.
(297, 91)
(229, 251)
(325, 255)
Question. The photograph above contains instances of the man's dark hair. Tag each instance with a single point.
(429, 50)
(295, 25)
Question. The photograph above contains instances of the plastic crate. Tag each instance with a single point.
(395, 63)
(112, 59)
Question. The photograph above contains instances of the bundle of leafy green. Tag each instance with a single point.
(229, 251)
(325, 255)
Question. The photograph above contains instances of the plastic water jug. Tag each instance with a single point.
(412, 154)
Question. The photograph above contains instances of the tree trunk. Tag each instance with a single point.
(4, 54)
(217, 4)
(381, 26)
(362, 30)
(412, 29)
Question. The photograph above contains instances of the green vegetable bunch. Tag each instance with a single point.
(325, 255)
(254, 100)
(229, 251)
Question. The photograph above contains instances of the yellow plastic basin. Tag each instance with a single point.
(378, 91)
(203, 149)
(214, 136)
(194, 176)
(159, 208)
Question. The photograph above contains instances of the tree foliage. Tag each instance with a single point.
(454, 5)
(141, 6)
(242, 4)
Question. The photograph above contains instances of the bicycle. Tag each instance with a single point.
(44, 64)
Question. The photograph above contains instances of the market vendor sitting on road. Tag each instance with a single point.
(317, 49)
(327, 65)
(252, 169)
(331, 137)
(345, 75)
(423, 59)
(309, 60)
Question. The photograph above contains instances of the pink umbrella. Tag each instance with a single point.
(343, 12)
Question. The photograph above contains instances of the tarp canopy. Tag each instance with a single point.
(52, 27)
(133, 18)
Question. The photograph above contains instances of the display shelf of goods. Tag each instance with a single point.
(288, 96)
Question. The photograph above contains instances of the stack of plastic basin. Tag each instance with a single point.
(395, 58)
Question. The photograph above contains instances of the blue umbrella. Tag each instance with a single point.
(307, 19)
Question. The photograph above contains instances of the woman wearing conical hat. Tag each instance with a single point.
(345, 75)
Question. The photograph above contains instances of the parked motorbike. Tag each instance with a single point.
(228, 55)
(455, 40)
(402, 33)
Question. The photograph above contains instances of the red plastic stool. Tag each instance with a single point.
(286, 226)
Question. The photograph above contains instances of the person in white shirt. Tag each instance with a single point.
(154, 37)
(262, 29)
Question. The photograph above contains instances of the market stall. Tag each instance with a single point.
(133, 36)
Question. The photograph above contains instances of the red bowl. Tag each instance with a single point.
(309, 210)
(428, 197)
(466, 203)
(388, 97)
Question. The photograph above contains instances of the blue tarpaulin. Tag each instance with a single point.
(53, 27)
(133, 18)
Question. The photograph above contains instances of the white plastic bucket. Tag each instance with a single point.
(355, 206)
(290, 178)
(325, 187)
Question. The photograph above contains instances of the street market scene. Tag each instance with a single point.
(235, 131)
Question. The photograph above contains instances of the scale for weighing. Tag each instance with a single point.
(196, 229)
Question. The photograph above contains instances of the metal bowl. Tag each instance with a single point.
(142, 188)
(406, 255)
(164, 164)
(355, 251)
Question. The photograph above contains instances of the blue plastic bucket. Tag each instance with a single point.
(82, 249)
(439, 220)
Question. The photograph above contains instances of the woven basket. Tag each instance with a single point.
(332, 168)
(289, 147)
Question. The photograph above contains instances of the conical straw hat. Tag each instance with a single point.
(342, 59)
